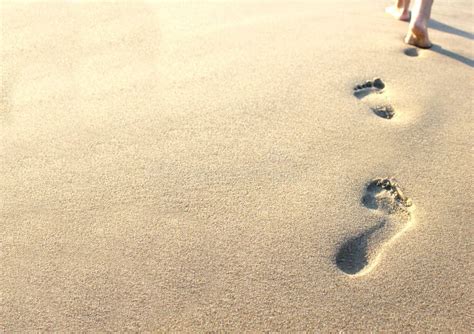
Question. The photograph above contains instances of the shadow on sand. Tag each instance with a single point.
(453, 55)
(437, 25)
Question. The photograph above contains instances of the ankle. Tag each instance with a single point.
(418, 26)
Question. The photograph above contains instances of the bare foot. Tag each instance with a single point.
(398, 13)
(418, 36)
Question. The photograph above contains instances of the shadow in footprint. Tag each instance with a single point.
(353, 255)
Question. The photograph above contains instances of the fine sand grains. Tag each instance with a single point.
(205, 167)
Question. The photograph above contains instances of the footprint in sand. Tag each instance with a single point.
(379, 106)
(393, 212)
(411, 52)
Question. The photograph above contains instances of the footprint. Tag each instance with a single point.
(375, 86)
(384, 111)
(411, 52)
(378, 104)
(393, 211)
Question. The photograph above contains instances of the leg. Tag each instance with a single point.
(418, 30)
(400, 10)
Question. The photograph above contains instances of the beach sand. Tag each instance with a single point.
(202, 166)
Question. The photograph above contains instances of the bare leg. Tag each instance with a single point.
(400, 10)
(418, 30)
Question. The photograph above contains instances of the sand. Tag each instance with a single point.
(198, 167)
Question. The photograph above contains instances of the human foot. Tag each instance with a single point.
(398, 13)
(418, 36)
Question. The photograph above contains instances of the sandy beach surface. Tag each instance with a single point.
(205, 166)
